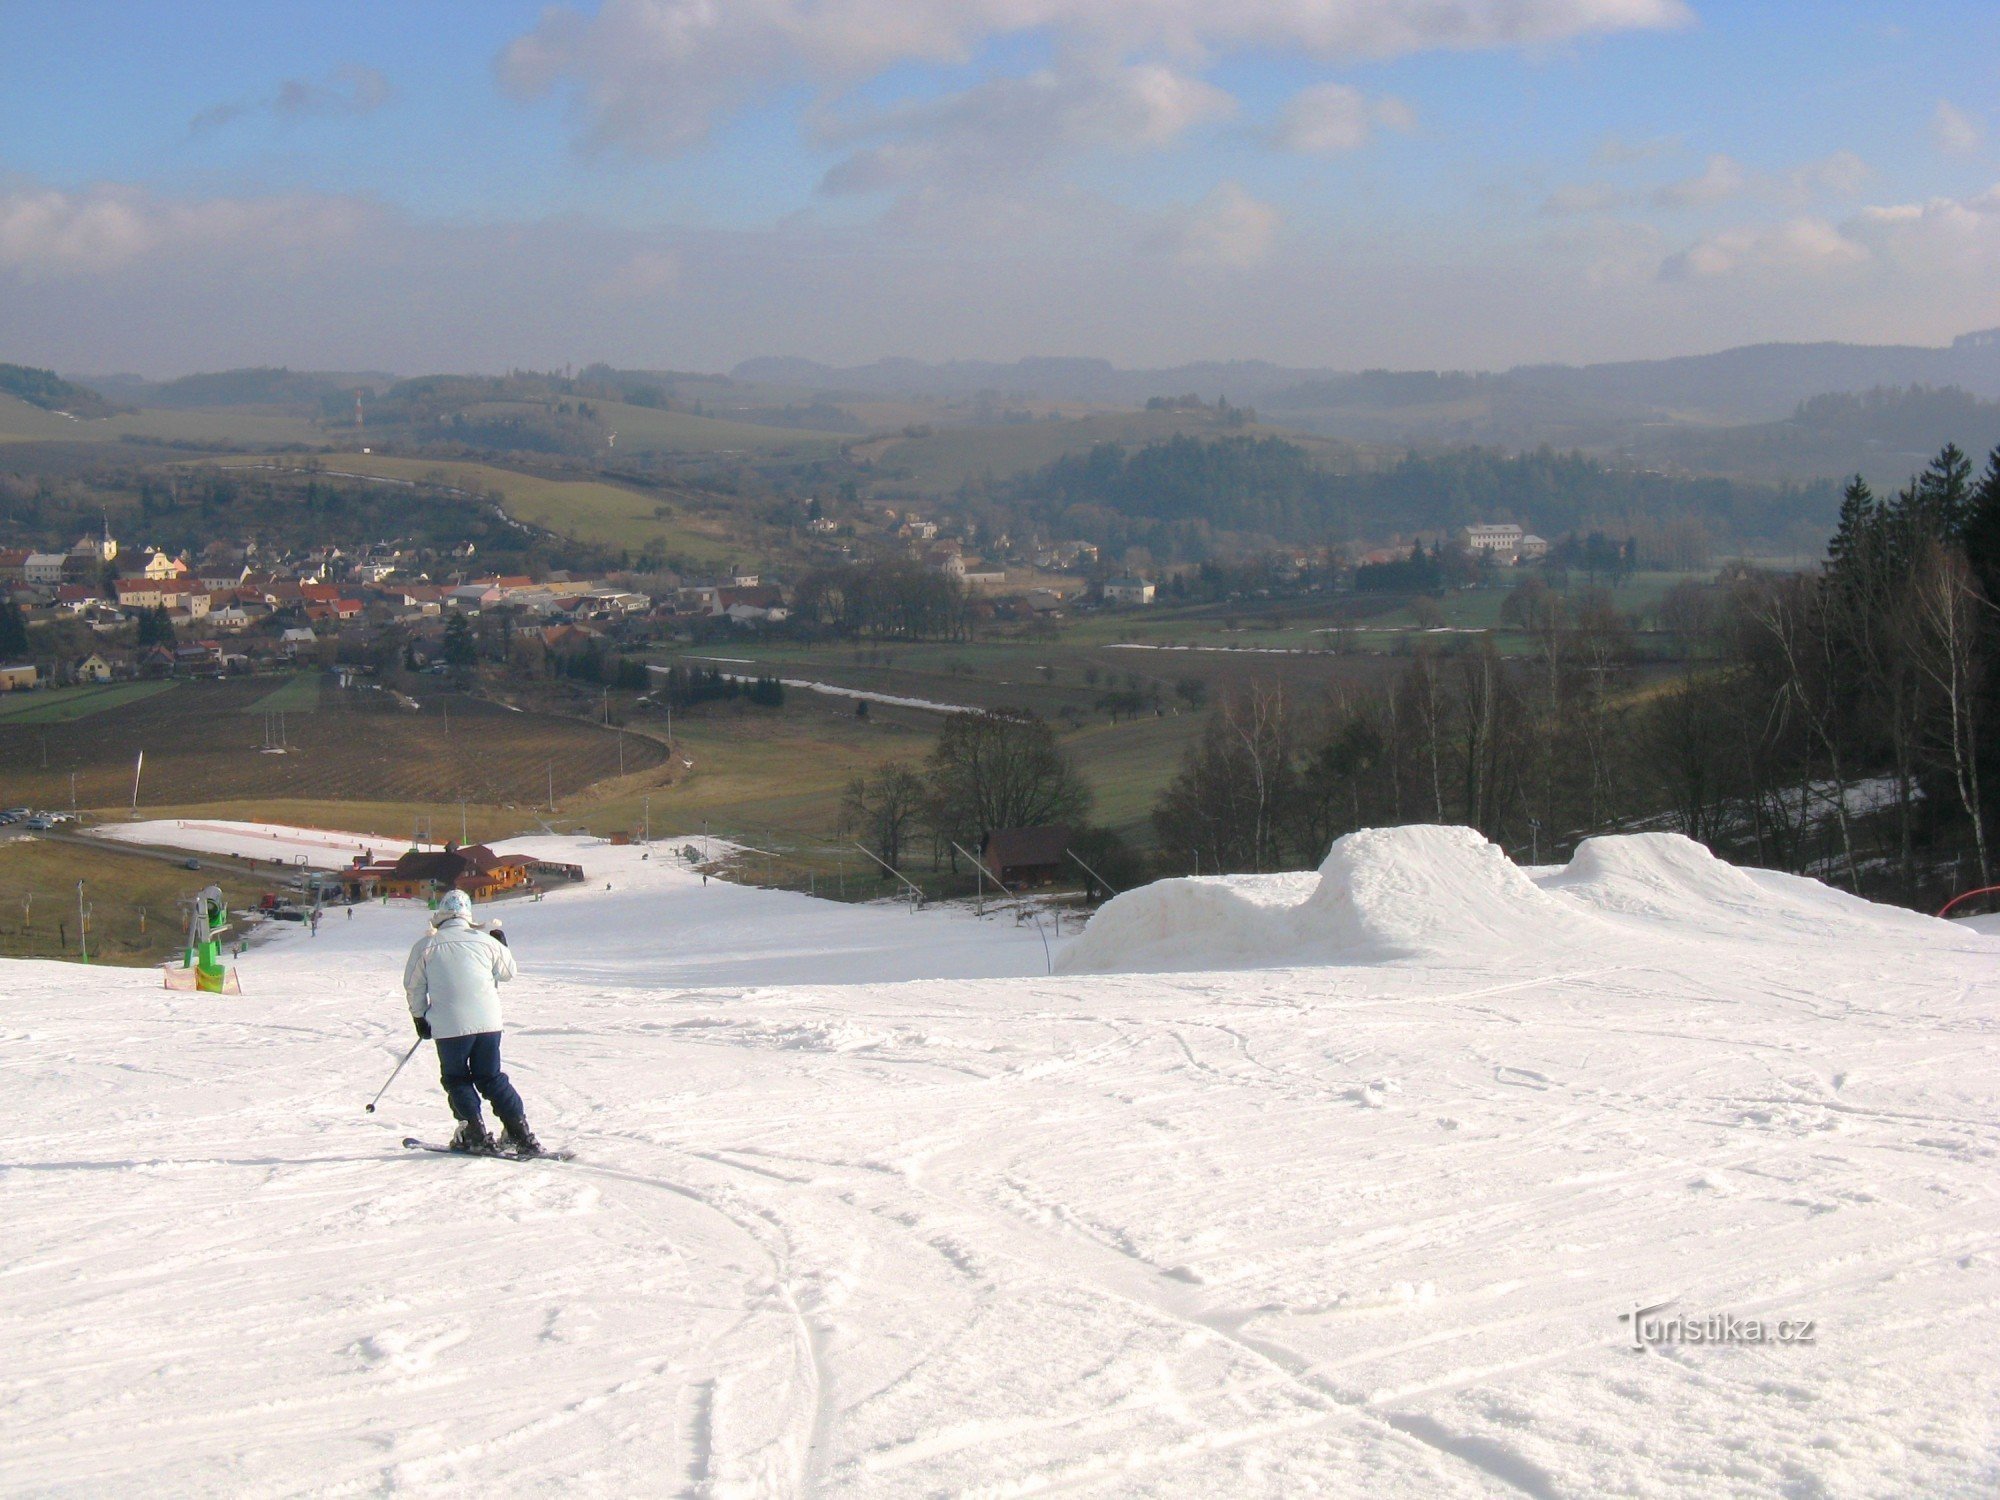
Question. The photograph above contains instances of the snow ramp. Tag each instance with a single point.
(1382, 894)
(1672, 883)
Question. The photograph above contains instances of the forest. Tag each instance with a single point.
(1184, 496)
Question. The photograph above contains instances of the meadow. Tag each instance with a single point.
(132, 900)
(612, 515)
(203, 747)
(66, 705)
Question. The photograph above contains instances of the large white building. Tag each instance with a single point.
(1128, 591)
(1500, 538)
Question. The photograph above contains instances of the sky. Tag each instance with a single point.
(683, 184)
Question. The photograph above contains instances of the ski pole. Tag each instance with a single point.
(392, 1077)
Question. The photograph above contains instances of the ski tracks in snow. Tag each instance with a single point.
(1245, 1234)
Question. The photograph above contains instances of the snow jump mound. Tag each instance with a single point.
(1671, 881)
(1382, 894)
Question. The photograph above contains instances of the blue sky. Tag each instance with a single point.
(662, 182)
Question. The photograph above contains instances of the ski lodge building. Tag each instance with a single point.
(474, 869)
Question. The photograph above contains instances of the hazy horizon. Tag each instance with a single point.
(667, 184)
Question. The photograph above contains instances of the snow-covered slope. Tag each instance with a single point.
(1363, 1223)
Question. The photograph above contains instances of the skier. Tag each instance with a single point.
(451, 982)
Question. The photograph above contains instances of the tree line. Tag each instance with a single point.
(1182, 496)
(1843, 721)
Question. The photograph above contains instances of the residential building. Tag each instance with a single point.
(93, 668)
(44, 569)
(17, 679)
(1129, 591)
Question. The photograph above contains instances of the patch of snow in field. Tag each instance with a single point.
(320, 848)
(832, 691)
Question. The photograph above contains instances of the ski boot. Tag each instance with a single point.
(517, 1138)
(472, 1139)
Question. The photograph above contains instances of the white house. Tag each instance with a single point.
(1533, 548)
(1503, 539)
(44, 567)
(1128, 591)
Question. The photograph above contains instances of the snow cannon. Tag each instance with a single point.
(201, 964)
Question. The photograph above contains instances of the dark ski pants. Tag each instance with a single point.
(470, 1066)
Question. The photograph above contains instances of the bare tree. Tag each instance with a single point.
(1949, 611)
(884, 809)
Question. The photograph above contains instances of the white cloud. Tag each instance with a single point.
(1953, 131)
(1804, 244)
(51, 234)
(650, 76)
(1721, 179)
(1230, 230)
(1956, 236)
(1940, 238)
(1331, 119)
(351, 89)
(1012, 126)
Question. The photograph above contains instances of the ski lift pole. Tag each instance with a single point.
(1092, 873)
(999, 884)
(916, 890)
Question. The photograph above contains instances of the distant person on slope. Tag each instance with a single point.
(452, 982)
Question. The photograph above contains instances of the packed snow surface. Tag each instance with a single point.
(315, 848)
(1331, 1184)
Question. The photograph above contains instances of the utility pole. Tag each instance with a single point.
(552, 786)
(461, 823)
(647, 836)
(82, 932)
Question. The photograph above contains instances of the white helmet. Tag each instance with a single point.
(452, 904)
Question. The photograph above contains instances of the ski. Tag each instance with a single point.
(413, 1144)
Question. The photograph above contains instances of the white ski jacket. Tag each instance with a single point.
(452, 979)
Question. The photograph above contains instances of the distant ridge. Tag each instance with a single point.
(1749, 383)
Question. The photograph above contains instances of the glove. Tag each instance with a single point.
(423, 1028)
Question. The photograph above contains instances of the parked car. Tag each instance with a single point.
(190, 864)
(38, 822)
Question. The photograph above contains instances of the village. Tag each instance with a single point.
(98, 612)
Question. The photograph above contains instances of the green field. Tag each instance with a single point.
(298, 695)
(646, 429)
(63, 705)
(224, 427)
(587, 509)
